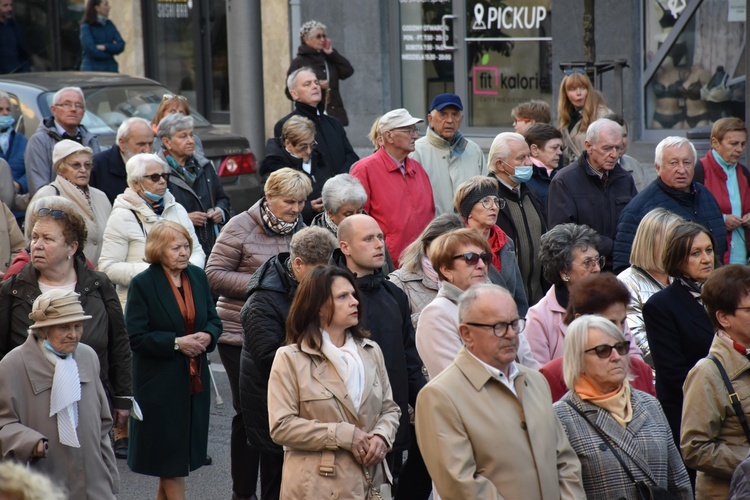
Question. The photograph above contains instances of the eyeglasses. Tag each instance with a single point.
(408, 130)
(78, 166)
(472, 258)
(590, 263)
(570, 71)
(68, 105)
(156, 177)
(604, 351)
(308, 146)
(321, 35)
(490, 201)
(500, 329)
(56, 214)
(516, 120)
(167, 97)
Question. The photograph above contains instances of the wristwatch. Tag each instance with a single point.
(177, 344)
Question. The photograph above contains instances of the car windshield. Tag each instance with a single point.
(107, 108)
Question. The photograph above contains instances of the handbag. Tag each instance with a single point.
(382, 493)
(734, 399)
(645, 490)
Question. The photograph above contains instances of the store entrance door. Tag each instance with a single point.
(493, 54)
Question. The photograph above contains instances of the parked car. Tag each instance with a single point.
(111, 99)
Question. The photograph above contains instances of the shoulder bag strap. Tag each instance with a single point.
(734, 399)
(605, 439)
(138, 220)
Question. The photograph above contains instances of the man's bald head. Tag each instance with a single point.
(351, 224)
(361, 241)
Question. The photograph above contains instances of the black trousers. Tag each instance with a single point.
(414, 481)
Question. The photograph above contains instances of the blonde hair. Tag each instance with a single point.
(651, 237)
(576, 340)
(375, 136)
(160, 236)
(288, 182)
(565, 108)
(296, 129)
(21, 483)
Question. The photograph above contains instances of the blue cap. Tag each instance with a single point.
(442, 100)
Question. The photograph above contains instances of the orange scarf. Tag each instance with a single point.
(187, 310)
(617, 402)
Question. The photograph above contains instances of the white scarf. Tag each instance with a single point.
(348, 364)
(66, 392)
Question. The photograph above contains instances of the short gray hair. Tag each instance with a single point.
(557, 245)
(308, 28)
(173, 123)
(136, 166)
(576, 341)
(411, 257)
(341, 189)
(58, 95)
(293, 76)
(467, 299)
(314, 245)
(599, 126)
(671, 142)
(123, 131)
(501, 146)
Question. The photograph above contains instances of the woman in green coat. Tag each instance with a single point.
(172, 324)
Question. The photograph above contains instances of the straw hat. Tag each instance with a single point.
(56, 307)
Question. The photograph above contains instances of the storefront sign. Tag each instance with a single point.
(508, 18)
(737, 11)
(173, 9)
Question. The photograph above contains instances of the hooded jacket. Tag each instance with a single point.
(388, 319)
(38, 157)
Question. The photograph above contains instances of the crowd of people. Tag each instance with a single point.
(422, 321)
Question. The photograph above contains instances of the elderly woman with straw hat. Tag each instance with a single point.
(55, 414)
(73, 163)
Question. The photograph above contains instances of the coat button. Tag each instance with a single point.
(603, 447)
(523, 425)
(15, 292)
(86, 289)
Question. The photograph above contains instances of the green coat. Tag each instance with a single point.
(173, 437)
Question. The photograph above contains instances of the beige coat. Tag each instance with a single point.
(242, 247)
(88, 472)
(310, 414)
(11, 238)
(712, 439)
(95, 215)
(125, 239)
(480, 441)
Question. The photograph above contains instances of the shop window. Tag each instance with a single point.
(701, 77)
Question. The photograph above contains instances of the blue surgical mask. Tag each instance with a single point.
(6, 122)
(292, 154)
(153, 196)
(51, 349)
(522, 174)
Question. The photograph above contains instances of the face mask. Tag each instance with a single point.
(6, 122)
(153, 196)
(51, 349)
(522, 174)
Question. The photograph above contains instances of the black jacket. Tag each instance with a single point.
(14, 53)
(109, 173)
(679, 334)
(332, 67)
(205, 193)
(387, 317)
(577, 195)
(333, 144)
(264, 314)
(278, 157)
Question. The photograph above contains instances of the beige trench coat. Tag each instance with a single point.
(310, 414)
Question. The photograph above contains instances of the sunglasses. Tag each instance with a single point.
(56, 214)
(321, 35)
(156, 177)
(167, 97)
(604, 351)
(472, 258)
(570, 71)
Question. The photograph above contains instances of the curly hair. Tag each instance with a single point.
(557, 245)
(71, 223)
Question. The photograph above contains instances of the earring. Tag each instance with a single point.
(566, 278)
(68, 256)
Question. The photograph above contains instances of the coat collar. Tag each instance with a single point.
(733, 362)
(478, 376)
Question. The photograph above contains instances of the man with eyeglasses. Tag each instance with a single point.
(68, 108)
(498, 434)
(674, 190)
(594, 189)
(522, 218)
(399, 194)
(446, 155)
(388, 319)
(134, 136)
(333, 144)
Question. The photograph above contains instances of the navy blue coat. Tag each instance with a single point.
(577, 195)
(699, 206)
(679, 335)
(14, 157)
(109, 173)
(539, 183)
(105, 34)
(14, 54)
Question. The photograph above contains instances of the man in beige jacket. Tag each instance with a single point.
(485, 425)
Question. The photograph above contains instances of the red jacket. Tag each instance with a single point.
(402, 204)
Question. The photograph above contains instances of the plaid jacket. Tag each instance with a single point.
(646, 441)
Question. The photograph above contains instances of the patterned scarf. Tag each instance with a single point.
(188, 172)
(692, 286)
(84, 191)
(273, 223)
(332, 226)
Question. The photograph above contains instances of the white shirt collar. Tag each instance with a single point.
(513, 372)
